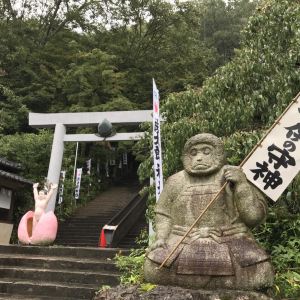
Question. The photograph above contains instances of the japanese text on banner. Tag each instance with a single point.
(276, 162)
(61, 187)
(78, 181)
(157, 154)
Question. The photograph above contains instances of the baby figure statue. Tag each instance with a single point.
(39, 227)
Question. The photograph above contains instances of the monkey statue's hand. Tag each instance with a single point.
(160, 243)
(234, 174)
(35, 185)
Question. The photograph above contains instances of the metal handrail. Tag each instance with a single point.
(118, 227)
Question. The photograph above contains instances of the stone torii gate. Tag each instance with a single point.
(60, 121)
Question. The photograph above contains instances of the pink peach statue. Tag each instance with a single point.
(39, 227)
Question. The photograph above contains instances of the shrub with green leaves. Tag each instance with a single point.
(131, 266)
(239, 103)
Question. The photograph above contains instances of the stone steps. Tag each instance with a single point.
(80, 253)
(5, 296)
(42, 288)
(62, 276)
(84, 227)
(34, 272)
(57, 262)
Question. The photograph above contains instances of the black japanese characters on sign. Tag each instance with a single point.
(278, 158)
(157, 171)
(156, 140)
(157, 154)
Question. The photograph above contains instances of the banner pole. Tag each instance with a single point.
(75, 162)
(225, 184)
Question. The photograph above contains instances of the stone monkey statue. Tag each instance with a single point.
(220, 252)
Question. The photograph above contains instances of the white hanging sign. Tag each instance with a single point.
(88, 166)
(5, 198)
(107, 169)
(125, 158)
(275, 163)
(61, 188)
(78, 181)
(157, 154)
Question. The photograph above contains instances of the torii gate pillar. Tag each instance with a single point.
(56, 158)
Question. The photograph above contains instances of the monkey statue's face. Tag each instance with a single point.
(201, 157)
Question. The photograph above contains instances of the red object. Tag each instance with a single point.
(102, 241)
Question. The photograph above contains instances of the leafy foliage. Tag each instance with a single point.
(238, 103)
(92, 80)
(117, 49)
(131, 266)
(247, 93)
(31, 150)
(13, 114)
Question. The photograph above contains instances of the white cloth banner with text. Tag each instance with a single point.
(275, 163)
(157, 154)
(78, 181)
(61, 188)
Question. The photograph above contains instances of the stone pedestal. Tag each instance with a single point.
(176, 293)
(5, 233)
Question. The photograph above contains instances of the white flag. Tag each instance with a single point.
(275, 163)
(157, 154)
(88, 166)
(78, 181)
(61, 188)
(125, 158)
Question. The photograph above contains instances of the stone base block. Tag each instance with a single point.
(5, 233)
(176, 293)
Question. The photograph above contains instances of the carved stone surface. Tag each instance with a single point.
(176, 293)
(220, 252)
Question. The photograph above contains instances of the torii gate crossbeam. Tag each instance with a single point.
(63, 120)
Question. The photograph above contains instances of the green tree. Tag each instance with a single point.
(238, 103)
(247, 93)
(93, 80)
(29, 149)
(220, 24)
(45, 61)
(13, 114)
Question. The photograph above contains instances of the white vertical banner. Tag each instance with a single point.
(107, 169)
(78, 181)
(61, 188)
(88, 166)
(98, 167)
(276, 161)
(125, 158)
(157, 154)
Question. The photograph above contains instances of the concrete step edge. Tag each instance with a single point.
(25, 297)
(73, 251)
(66, 271)
(47, 283)
(59, 258)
